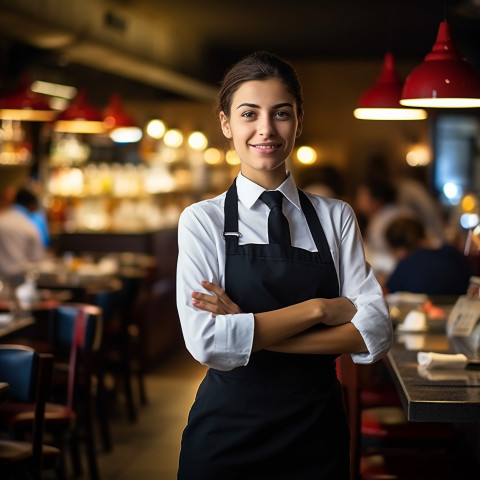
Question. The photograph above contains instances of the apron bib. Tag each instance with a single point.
(281, 416)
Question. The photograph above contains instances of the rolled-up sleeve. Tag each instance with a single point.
(223, 342)
(359, 284)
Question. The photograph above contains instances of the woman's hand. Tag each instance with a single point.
(217, 304)
(337, 311)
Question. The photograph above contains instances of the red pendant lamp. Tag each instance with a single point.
(381, 101)
(444, 79)
(119, 123)
(80, 117)
(25, 105)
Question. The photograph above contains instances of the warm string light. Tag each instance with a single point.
(306, 155)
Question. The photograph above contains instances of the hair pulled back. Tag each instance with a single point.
(405, 232)
(259, 65)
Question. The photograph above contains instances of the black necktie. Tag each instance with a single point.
(278, 229)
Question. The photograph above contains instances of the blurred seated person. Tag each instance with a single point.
(377, 206)
(21, 246)
(27, 203)
(422, 267)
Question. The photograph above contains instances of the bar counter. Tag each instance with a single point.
(439, 395)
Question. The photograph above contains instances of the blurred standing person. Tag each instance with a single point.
(376, 201)
(27, 202)
(267, 310)
(21, 246)
(414, 195)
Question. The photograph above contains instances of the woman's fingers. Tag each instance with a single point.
(219, 303)
(220, 293)
(206, 299)
(215, 289)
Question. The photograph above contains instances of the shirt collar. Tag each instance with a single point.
(249, 192)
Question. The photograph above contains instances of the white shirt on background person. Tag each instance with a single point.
(20, 243)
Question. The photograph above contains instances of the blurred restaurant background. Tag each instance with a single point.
(108, 115)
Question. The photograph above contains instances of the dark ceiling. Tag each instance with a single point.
(319, 29)
(224, 30)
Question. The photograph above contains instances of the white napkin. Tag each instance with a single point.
(415, 321)
(441, 360)
(453, 375)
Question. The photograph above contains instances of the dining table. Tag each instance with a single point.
(12, 324)
(79, 278)
(446, 394)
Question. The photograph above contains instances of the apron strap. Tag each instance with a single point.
(230, 232)
(316, 228)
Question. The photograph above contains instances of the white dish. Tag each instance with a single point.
(405, 329)
(5, 318)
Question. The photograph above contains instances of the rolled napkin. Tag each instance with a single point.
(451, 375)
(433, 360)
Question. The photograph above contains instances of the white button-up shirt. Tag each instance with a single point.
(225, 342)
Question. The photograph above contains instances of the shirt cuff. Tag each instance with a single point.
(373, 322)
(233, 340)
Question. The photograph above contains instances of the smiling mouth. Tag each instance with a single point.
(267, 147)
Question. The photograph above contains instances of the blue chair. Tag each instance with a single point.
(28, 375)
(76, 334)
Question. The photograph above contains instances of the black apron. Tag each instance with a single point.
(281, 416)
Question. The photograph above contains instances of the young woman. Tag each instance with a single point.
(270, 319)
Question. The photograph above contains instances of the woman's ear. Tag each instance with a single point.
(299, 126)
(225, 124)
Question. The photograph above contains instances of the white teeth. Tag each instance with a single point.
(265, 146)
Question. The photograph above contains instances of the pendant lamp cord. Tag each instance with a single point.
(390, 23)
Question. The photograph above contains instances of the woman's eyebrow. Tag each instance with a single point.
(253, 105)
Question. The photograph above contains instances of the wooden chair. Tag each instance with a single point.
(69, 415)
(378, 424)
(121, 349)
(28, 374)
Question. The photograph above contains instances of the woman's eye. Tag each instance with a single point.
(248, 114)
(282, 114)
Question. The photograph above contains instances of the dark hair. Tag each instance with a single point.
(259, 66)
(27, 199)
(405, 233)
(381, 189)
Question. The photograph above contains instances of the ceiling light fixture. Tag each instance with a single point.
(80, 117)
(25, 105)
(119, 123)
(444, 79)
(382, 100)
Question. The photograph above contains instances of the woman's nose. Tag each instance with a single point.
(266, 126)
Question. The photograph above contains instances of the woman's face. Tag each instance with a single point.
(263, 125)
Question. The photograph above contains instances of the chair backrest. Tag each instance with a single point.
(78, 324)
(112, 302)
(28, 374)
(19, 368)
(77, 330)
